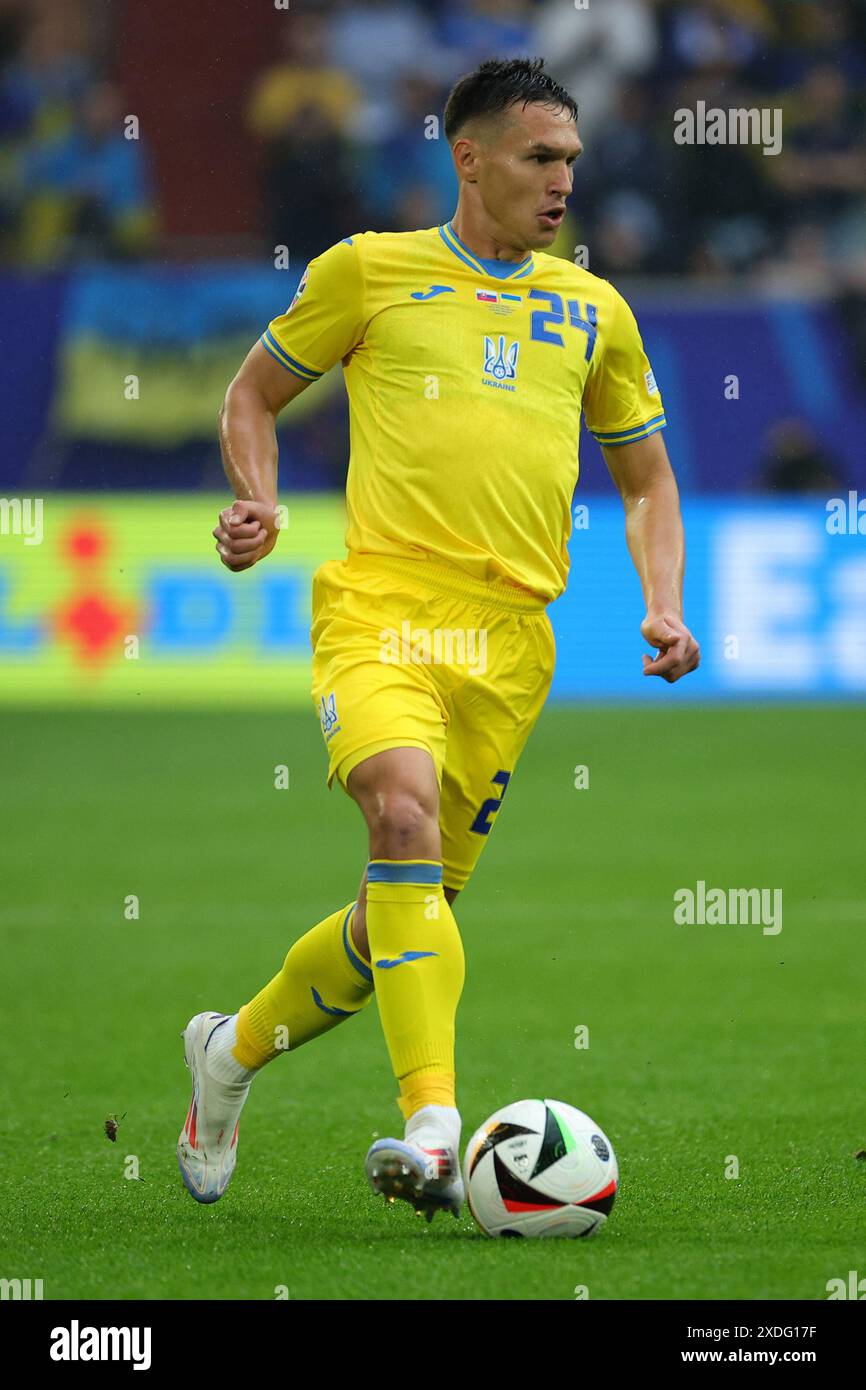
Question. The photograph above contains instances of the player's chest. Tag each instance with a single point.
(510, 339)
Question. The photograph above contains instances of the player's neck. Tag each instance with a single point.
(482, 241)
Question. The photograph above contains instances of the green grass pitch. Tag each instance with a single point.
(705, 1041)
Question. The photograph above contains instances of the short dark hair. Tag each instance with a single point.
(498, 84)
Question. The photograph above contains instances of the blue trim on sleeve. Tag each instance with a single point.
(266, 345)
(611, 436)
(631, 436)
(279, 352)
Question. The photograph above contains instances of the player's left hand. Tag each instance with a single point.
(677, 651)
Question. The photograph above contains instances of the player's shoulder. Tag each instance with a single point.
(367, 263)
(569, 278)
(373, 263)
(387, 243)
(372, 247)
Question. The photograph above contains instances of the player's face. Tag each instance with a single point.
(525, 175)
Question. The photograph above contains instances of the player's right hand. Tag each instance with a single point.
(245, 533)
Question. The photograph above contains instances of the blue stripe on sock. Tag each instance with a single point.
(362, 968)
(409, 871)
(337, 1013)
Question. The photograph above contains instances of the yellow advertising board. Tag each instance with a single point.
(122, 600)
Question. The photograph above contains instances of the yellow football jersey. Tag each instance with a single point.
(466, 379)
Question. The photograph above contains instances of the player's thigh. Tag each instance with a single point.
(489, 726)
(368, 703)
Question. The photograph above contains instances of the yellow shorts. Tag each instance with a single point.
(407, 653)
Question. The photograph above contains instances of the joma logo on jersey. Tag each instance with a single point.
(500, 362)
(328, 715)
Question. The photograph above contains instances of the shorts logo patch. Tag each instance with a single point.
(328, 715)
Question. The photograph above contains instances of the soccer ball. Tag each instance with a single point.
(540, 1168)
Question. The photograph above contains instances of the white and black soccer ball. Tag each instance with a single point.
(540, 1168)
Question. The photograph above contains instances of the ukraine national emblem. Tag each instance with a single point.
(500, 361)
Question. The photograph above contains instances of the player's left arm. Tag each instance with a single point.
(654, 531)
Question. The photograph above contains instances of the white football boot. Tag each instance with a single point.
(424, 1167)
(208, 1145)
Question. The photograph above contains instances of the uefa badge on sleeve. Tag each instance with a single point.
(300, 290)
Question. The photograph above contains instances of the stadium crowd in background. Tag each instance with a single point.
(71, 183)
(363, 76)
(342, 114)
(336, 128)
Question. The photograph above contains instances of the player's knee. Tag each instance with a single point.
(402, 823)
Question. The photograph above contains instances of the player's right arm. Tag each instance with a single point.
(324, 322)
(247, 530)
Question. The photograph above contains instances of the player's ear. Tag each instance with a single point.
(464, 152)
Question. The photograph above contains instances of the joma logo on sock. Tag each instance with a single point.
(77, 1343)
(402, 959)
(715, 907)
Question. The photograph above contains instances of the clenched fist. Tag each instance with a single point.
(677, 651)
(245, 533)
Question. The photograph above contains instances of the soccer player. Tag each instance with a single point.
(468, 354)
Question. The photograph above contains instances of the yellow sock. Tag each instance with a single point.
(418, 968)
(324, 980)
